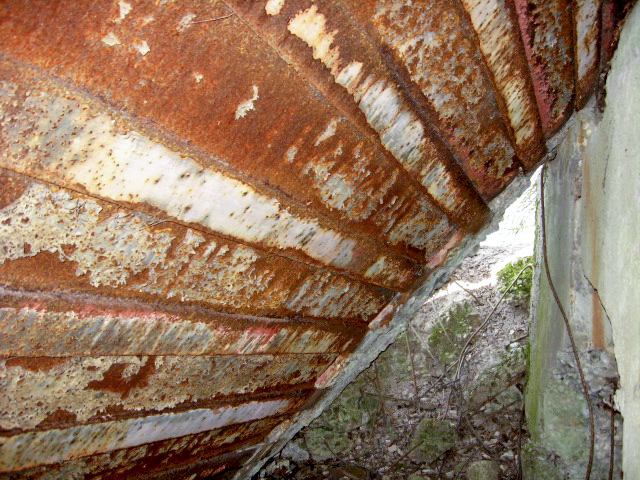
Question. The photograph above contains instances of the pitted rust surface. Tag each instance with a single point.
(546, 28)
(25, 450)
(436, 43)
(206, 207)
(500, 41)
(33, 325)
(72, 145)
(89, 245)
(145, 459)
(322, 39)
(229, 85)
(88, 388)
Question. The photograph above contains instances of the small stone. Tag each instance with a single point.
(392, 448)
(483, 470)
(295, 452)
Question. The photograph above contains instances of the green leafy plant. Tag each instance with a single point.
(521, 289)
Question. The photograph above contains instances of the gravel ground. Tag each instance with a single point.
(413, 390)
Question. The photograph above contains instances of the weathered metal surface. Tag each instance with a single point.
(69, 143)
(496, 25)
(93, 246)
(206, 207)
(586, 17)
(35, 448)
(86, 389)
(154, 458)
(322, 39)
(435, 42)
(230, 83)
(547, 32)
(39, 325)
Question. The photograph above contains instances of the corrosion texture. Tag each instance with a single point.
(586, 18)
(547, 32)
(498, 32)
(435, 43)
(216, 86)
(325, 43)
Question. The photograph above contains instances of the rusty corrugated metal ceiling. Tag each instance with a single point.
(206, 206)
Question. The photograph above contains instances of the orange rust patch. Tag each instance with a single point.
(115, 381)
(36, 364)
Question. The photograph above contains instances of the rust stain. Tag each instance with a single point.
(117, 380)
(586, 18)
(228, 83)
(547, 28)
(496, 24)
(35, 364)
(38, 326)
(435, 42)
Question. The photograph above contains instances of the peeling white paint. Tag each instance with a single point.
(142, 47)
(70, 385)
(385, 108)
(27, 332)
(586, 20)
(329, 132)
(110, 40)
(127, 167)
(125, 9)
(185, 22)
(51, 446)
(499, 38)
(246, 106)
(273, 7)
(291, 153)
(310, 26)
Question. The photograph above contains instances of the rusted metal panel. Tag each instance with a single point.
(154, 458)
(434, 41)
(52, 446)
(547, 32)
(86, 389)
(212, 84)
(61, 139)
(40, 325)
(60, 240)
(586, 17)
(496, 25)
(324, 42)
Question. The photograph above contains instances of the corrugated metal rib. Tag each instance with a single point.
(324, 43)
(60, 325)
(547, 28)
(435, 43)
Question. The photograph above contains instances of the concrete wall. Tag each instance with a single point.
(593, 226)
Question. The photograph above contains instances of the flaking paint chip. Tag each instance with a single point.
(111, 40)
(142, 47)
(125, 8)
(273, 7)
(246, 106)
